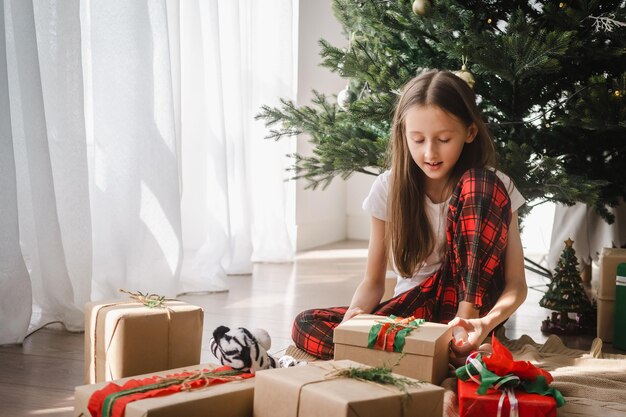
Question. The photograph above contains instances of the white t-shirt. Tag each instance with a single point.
(376, 204)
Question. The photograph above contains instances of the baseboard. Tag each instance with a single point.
(313, 234)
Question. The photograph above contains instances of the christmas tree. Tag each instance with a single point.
(549, 76)
(566, 294)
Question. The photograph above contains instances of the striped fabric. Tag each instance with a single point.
(477, 228)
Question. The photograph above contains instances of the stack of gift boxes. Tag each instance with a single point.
(122, 340)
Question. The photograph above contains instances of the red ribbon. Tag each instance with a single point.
(501, 362)
(389, 330)
(383, 339)
(97, 399)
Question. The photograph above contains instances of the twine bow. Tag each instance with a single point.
(390, 333)
(149, 300)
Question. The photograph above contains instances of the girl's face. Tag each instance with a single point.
(435, 139)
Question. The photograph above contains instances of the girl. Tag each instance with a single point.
(445, 218)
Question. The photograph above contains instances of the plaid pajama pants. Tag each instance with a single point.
(479, 214)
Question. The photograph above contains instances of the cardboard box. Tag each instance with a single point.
(619, 333)
(529, 405)
(606, 319)
(609, 259)
(231, 399)
(425, 350)
(307, 391)
(126, 338)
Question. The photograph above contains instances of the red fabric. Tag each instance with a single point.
(382, 341)
(387, 338)
(472, 270)
(390, 337)
(96, 400)
(501, 363)
(474, 405)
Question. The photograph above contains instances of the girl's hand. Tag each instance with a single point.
(461, 347)
(352, 311)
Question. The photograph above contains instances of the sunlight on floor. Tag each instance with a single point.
(49, 411)
(333, 254)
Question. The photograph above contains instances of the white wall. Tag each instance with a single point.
(320, 214)
(357, 188)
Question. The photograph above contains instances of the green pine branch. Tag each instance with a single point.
(546, 81)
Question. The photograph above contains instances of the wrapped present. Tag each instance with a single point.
(195, 391)
(375, 340)
(610, 258)
(500, 386)
(321, 389)
(126, 338)
(498, 403)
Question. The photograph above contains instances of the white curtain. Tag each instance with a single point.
(129, 153)
(588, 230)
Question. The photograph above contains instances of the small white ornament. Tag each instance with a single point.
(345, 99)
(420, 7)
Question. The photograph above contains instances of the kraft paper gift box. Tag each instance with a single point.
(619, 339)
(312, 390)
(610, 258)
(424, 356)
(606, 319)
(125, 338)
(230, 399)
(528, 405)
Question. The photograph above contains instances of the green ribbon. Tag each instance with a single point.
(400, 339)
(540, 386)
(109, 401)
(487, 378)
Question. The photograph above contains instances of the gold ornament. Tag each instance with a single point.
(617, 93)
(465, 75)
(421, 7)
(568, 243)
(561, 5)
(489, 21)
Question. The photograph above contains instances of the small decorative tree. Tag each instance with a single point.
(566, 294)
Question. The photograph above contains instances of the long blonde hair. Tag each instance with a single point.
(409, 234)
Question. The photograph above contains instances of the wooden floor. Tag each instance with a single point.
(38, 377)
